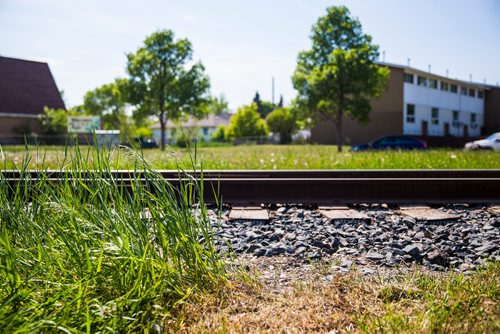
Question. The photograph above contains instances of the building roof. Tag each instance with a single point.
(211, 121)
(26, 87)
(437, 76)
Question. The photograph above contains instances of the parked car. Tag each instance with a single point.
(392, 142)
(141, 142)
(492, 142)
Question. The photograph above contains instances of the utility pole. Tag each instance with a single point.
(272, 98)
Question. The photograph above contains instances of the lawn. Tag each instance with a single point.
(266, 157)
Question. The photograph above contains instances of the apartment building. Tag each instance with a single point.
(423, 104)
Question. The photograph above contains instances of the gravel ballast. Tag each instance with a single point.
(388, 239)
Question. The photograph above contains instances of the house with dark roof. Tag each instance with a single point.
(26, 87)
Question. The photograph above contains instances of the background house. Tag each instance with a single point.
(202, 129)
(438, 109)
(26, 87)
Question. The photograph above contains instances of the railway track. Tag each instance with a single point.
(320, 187)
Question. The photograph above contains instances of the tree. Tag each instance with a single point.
(338, 76)
(282, 121)
(109, 102)
(281, 103)
(246, 123)
(218, 105)
(220, 133)
(161, 82)
(264, 108)
(54, 121)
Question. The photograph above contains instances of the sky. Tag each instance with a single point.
(244, 44)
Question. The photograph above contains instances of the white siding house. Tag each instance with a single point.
(438, 106)
(198, 128)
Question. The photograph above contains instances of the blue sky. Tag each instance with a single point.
(243, 44)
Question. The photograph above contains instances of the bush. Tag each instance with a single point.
(220, 133)
(282, 121)
(246, 123)
(54, 121)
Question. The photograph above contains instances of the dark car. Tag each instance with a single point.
(392, 142)
(141, 142)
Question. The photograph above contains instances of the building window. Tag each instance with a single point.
(205, 132)
(473, 123)
(472, 92)
(480, 94)
(408, 78)
(433, 83)
(453, 88)
(410, 113)
(444, 86)
(455, 123)
(463, 90)
(435, 116)
(421, 81)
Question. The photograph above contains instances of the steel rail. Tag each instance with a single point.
(321, 187)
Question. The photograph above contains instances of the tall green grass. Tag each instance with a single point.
(87, 255)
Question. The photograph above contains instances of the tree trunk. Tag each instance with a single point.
(340, 137)
(163, 122)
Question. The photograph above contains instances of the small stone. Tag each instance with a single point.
(367, 271)
(439, 258)
(253, 248)
(251, 235)
(409, 221)
(487, 248)
(346, 263)
(343, 242)
(495, 222)
(328, 278)
(412, 250)
(375, 256)
(289, 250)
(300, 250)
(282, 210)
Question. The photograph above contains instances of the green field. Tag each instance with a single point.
(264, 157)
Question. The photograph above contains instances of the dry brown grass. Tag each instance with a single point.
(352, 302)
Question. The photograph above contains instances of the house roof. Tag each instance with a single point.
(26, 87)
(211, 121)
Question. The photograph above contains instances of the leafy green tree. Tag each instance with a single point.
(282, 121)
(218, 105)
(220, 133)
(54, 121)
(109, 102)
(246, 123)
(338, 76)
(161, 82)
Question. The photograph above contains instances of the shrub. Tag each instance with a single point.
(282, 121)
(220, 133)
(246, 123)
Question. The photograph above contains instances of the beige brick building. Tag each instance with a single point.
(424, 105)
